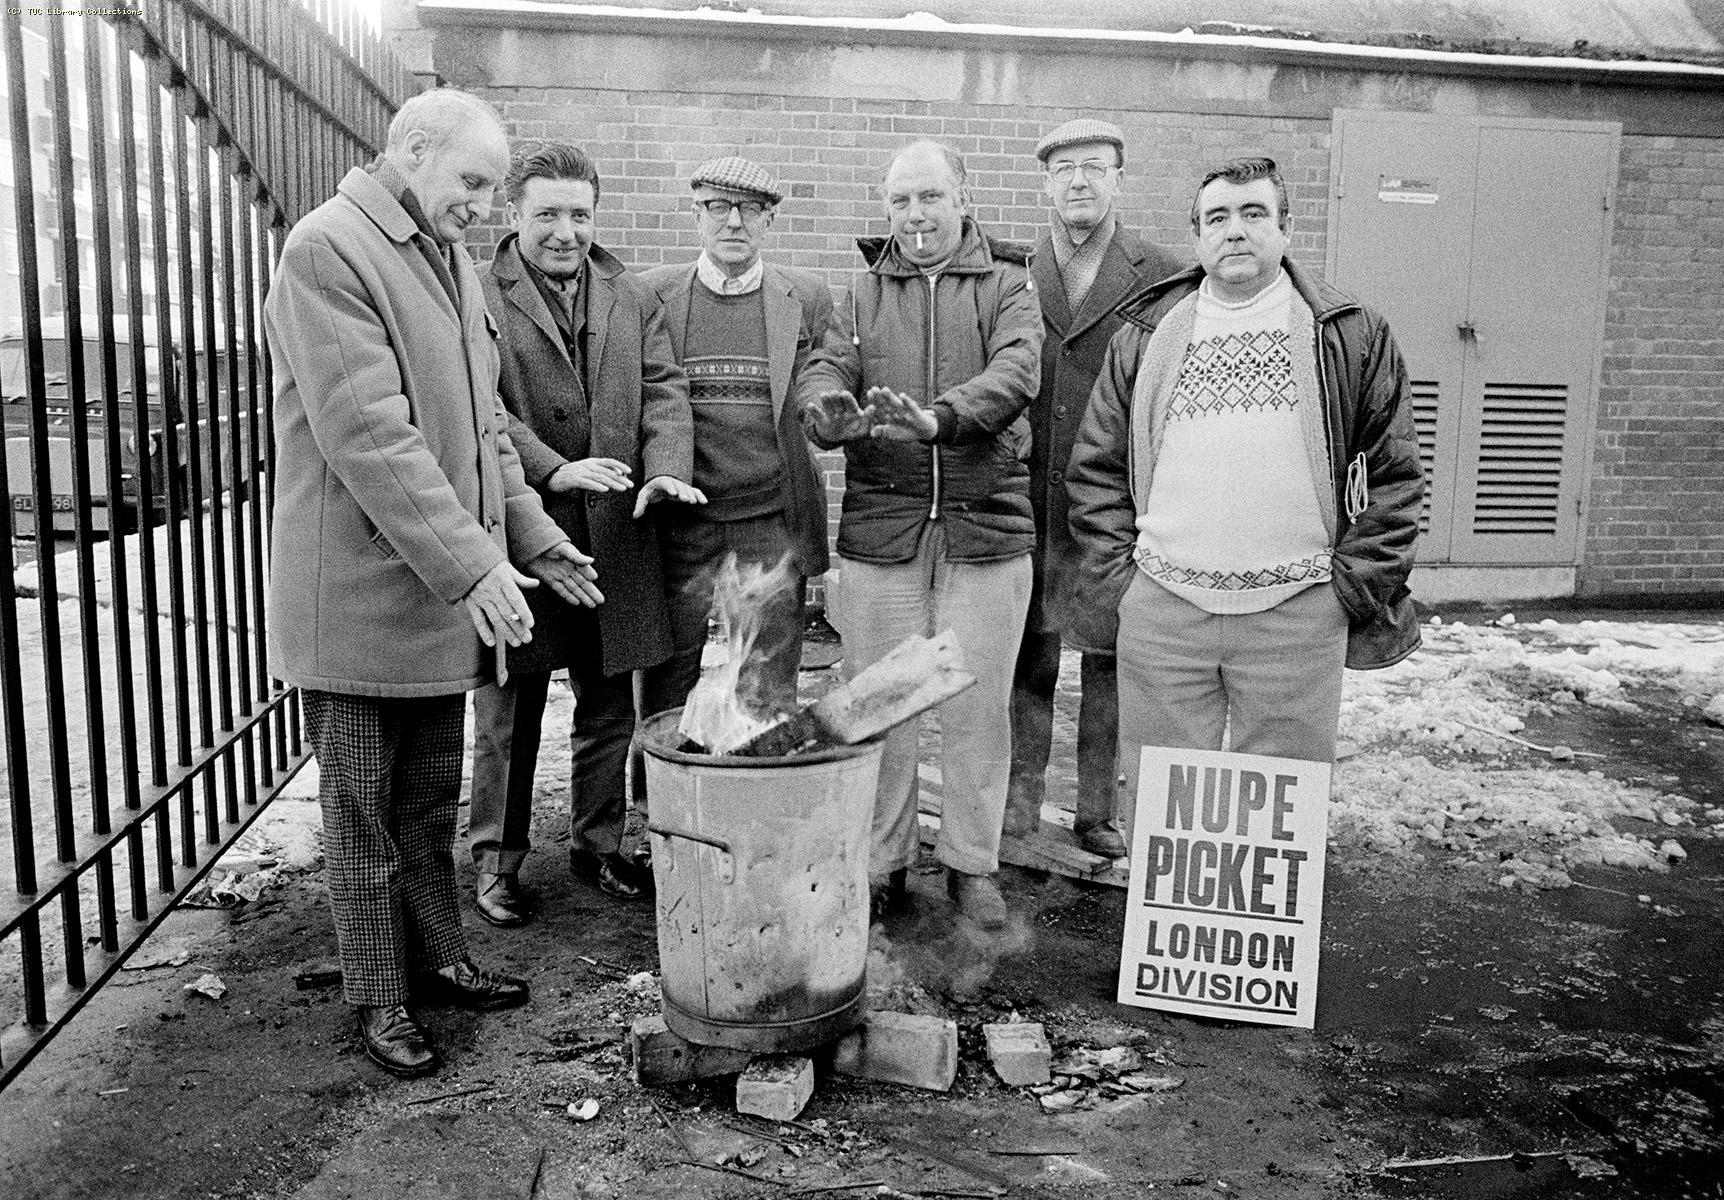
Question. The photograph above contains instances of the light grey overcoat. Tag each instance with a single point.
(396, 486)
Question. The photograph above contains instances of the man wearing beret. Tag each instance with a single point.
(1084, 265)
(598, 410)
(741, 328)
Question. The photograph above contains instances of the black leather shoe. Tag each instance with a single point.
(394, 1041)
(499, 900)
(473, 987)
(884, 895)
(612, 874)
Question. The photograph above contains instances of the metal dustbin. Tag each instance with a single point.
(761, 867)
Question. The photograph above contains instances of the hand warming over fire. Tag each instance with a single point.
(666, 487)
(838, 418)
(591, 475)
(899, 418)
(569, 573)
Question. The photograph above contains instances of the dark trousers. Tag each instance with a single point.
(390, 784)
(692, 551)
(1033, 687)
(506, 733)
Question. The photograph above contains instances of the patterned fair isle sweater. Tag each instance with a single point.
(1232, 522)
(736, 458)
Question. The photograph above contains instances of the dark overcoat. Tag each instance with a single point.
(1072, 354)
(637, 399)
(798, 309)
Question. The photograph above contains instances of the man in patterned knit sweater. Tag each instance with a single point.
(1245, 489)
(742, 328)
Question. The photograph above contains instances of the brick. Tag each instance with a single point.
(775, 1086)
(895, 1047)
(1019, 1051)
(661, 1057)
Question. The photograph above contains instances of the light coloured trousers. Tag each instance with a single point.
(1185, 673)
(984, 605)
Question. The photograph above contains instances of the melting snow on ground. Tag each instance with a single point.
(1430, 779)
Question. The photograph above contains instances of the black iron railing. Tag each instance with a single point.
(157, 157)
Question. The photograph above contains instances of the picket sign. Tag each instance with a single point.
(1224, 912)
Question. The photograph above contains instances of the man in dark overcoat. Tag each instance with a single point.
(598, 410)
(1084, 264)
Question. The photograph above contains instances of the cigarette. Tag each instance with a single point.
(918, 239)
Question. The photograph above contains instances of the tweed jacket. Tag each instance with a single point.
(1072, 354)
(396, 486)
(638, 413)
(1373, 459)
(798, 309)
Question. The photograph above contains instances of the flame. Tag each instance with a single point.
(725, 709)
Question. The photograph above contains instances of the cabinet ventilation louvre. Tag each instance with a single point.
(1425, 418)
(1520, 458)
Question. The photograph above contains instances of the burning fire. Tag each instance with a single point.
(725, 710)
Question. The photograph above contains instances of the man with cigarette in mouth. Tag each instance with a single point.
(923, 379)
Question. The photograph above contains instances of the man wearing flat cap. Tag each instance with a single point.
(741, 328)
(1084, 265)
(598, 410)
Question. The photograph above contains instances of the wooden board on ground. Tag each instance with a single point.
(1052, 847)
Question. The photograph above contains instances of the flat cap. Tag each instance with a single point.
(737, 175)
(1084, 129)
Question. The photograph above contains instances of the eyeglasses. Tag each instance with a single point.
(1092, 168)
(720, 210)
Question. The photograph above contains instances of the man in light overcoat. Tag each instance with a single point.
(399, 505)
(598, 409)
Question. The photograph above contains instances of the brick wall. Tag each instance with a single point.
(825, 111)
(1656, 521)
(829, 156)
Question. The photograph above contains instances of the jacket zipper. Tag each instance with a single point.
(928, 399)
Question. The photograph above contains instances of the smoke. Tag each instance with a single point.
(727, 708)
(943, 954)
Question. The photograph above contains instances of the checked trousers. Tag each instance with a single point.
(391, 781)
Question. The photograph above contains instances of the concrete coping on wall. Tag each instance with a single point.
(925, 29)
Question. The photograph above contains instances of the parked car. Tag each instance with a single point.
(135, 446)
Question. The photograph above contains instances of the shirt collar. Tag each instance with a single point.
(713, 276)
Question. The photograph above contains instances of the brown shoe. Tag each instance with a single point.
(499, 900)
(470, 986)
(978, 899)
(394, 1041)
